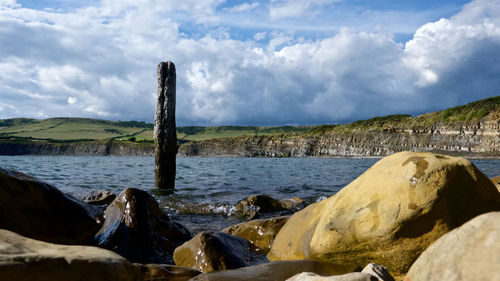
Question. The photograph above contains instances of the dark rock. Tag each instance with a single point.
(275, 271)
(99, 197)
(40, 211)
(214, 251)
(260, 232)
(25, 259)
(166, 272)
(255, 205)
(292, 204)
(136, 228)
(496, 181)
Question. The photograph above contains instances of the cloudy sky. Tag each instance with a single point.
(247, 62)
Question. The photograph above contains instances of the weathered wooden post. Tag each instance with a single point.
(164, 127)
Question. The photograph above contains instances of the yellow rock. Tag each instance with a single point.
(389, 214)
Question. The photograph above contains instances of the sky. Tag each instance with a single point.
(247, 62)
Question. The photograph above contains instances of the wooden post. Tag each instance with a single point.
(164, 127)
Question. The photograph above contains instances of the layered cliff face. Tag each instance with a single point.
(481, 139)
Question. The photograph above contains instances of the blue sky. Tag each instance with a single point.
(249, 62)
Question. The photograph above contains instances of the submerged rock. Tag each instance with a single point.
(136, 228)
(38, 210)
(99, 197)
(255, 205)
(24, 259)
(260, 232)
(470, 252)
(214, 251)
(390, 214)
(355, 276)
(167, 272)
(275, 271)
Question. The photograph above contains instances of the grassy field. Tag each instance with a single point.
(78, 129)
(69, 129)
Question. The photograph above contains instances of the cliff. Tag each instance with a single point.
(471, 130)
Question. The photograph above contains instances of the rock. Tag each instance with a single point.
(260, 232)
(470, 252)
(214, 251)
(25, 259)
(274, 271)
(496, 181)
(390, 214)
(99, 197)
(255, 205)
(378, 271)
(372, 272)
(355, 276)
(136, 228)
(166, 272)
(292, 204)
(40, 211)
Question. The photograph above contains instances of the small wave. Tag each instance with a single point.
(201, 209)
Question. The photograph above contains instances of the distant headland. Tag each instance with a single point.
(471, 130)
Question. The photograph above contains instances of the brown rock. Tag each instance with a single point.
(24, 259)
(470, 252)
(255, 205)
(214, 251)
(496, 181)
(260, 232)
(38, 210)
(99, 197)
(390, 214)
(275, 271)
(136, 228)
(166, 272)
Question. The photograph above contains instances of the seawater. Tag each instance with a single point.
(206, 188)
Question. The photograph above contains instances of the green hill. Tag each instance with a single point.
(84, 129)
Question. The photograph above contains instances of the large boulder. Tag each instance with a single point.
(470, 252)
(260, 232)
(40, 211)
(25, 259)
(214, 251)
(390, 214)
(136, 228)
(275, 271)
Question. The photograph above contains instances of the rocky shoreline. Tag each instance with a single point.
(414, 216)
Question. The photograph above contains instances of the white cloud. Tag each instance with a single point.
(243, 7)
(101, 62)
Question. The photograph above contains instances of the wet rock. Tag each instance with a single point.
(136, 228)
(470, 252)
(292, 204)
(99, 197)
(355, 276)
(38, 210)
(260, 232)
(166, 272)
(214, 251)
(255, 205)
(390, 214)
(275, 271)
(496, 181)
(24, 259)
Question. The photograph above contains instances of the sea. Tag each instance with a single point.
(207, 188)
